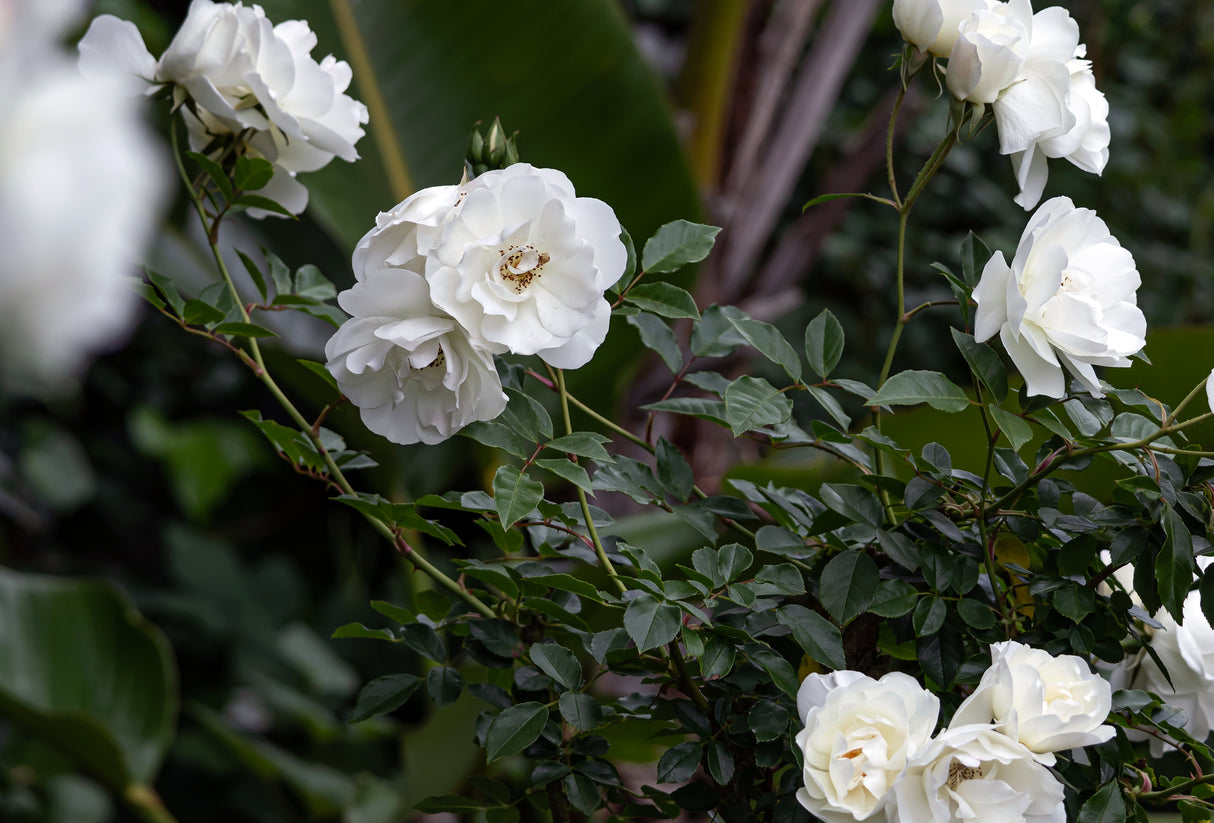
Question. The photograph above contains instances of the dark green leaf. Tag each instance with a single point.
(848, 585)
(714, 335)
(779, 669)
(676, 244)
(783, 578)
(358, 630)
(940, 656)
(823, 343)
(673, 471)
(853, 502)
(657, 337)
(319, 370)
(929, 616)
(751, 403)
(567, 470)
(526, 416)
(702, 407)
(1207, 595)
(894, 598)
(244, 329)
(1174, 566)
(582, 444)
(651, 623)
(214, 171)
(254, 272)
(768, 721)
(909, 388)
(679, 763)
(720, 762)
(665, 300)
(717, 659)
(1106, 806)
(1015, 429)
(976, 613)
(311, 283)
(731, 561)
(256, 201)
(581, 711)
(279, 273)
(558, 663)
(985, 363)
(444, 684)
(767, 339)
(384, 694)
(820, 638)
(515, 495)
(583, 794)
(198, 313)
(515, 729)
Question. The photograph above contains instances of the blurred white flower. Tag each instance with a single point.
(933, 25)
(977, 773)
(859, 734)
(523, 264)
(409, 368)
(240, 72)
(1048, 703)
(1067, 300)
(1210, 390)
(82, 184)
(27, 25)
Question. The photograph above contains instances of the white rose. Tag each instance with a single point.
(522, 263)
(82, 185)
(932, 25)
(976, 773)
(1067, 300)
(242, 72)
(990, 51)
(1187, 650)
(1210, 390)
(859, 734)
(409, 368)
(1053, 109)
(1048, 703)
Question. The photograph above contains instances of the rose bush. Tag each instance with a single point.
(1049, 703)
(1067, 301)
(235, 71)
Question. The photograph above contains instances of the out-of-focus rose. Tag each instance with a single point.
(522, 263)
(241, 72)
(977, 773)
(1210, 390)
(859, 734)
(409, 368)
(990, 51)
(932, 25)
(1067, 300)
(82, 185)
(1048, 703)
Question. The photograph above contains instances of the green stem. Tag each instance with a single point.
(1188, 399)
(988, 547)
(1164, 794)
(889, 147)
(146, 803)
(599, 550)
(685, 679)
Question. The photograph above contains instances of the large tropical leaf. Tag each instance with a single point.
(565, 75)
(82, 671)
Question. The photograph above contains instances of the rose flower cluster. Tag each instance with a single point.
(1029, 68)
(869, 753)
(509, 262)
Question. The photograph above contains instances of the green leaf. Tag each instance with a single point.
(558, 663)
(751, 403)
(1174, 566)
(779, 669)
(257, 201)
(568, 470)
(894, 598)
(976, 614)
(1015, 429)
(398, 613)
(651, 623)
(319, 370)
(252, 173)
(198, 313)
(279, 273)
(665, 300)
(720, 762)
(673, 471)
(213, 171)
(768, 721)
(823, 343)
(909, 388)
(244, 329)
(731, 561)
(444, 684)
(853, 502)
(701, 407)
(676, 244)
(820, 638)
(657, 336)
(826, 198)
(1106, 806)
(848, 585)
(679, 763)
(81, 670)
(714, 335)
(383, 695)
(582, 792)
(358, 630)
(630, 265)
(254, 272)
(582, 444)
(581, 711)
(311, 283)
(929, 616)
(515, 495)
(526, 416)
(985, 363)
(1206, 588)
(767, 339)
(515, 729)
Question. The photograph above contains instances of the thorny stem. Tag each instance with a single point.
(311, 431)
(601, 552)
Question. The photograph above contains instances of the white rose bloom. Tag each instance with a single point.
(990, 51)
(976, 773)
(859, 735)
(1210, 390)
(82, 183)
(409, 368)
(1048, 703)
(1067, 300)
(522, 263)
(242, 72)
(933, 25)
